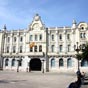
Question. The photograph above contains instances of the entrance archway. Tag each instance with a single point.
(35, 64)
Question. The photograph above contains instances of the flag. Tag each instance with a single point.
(32, 44)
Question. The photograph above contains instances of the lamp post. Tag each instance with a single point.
(77, 49)
(43, 65)
(43, 62)
(18, 65)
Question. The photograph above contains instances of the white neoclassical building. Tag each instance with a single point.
(39, 48)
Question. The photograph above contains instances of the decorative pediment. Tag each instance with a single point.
(82, 25)
(36, 23)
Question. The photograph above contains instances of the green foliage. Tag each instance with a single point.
(85, 52)
(79, 56)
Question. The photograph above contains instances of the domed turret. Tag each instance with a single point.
(37, 17)
(4, 28)
(74, 24)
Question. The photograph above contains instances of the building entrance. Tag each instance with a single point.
(35, 64)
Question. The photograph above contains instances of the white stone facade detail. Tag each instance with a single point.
(54, 45)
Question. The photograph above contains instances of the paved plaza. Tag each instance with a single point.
(35, 80)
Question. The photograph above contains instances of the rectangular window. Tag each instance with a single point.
(7, 49)
(52, 48)
(31, 37)
(14, 39)
(40, 37)
(40, 48)
(81, 35)
(20, 49)
(36, 37)
(68, 48)
(60, 36)
(35, 48)
(60, 48)
(31, 49)
(21, 39)
(8, 39)
(52, 37)
(14, 49)
(68, 36)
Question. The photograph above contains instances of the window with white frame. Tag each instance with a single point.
(14, 49)
(61, 62)
(31, 37)
(7, 49)
(52, 37)
(20, 49)
(40, 48)
(13, 62)
(8, 39)
(68, 48)
(31, 49)
(14, 39)
(53, 62)
(21, 39)
(6, 62)
(36, 37)
(68, 36)
(35, 48)
(82, 35)
(60, 48)
(60, 36)
(40, 37)
(69, 62)
(52, 48)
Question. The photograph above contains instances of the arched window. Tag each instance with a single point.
(53, 62)
(84, 63)
(61, 63)
(13, 62)
(69, 62)
(6, 62)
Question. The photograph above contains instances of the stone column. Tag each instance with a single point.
(73, 41)
(17, 47)
(11, 42)
(57, 46)
(5, 47)
(49, 38)
(65, 41)
(24, 42)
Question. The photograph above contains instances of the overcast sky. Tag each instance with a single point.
(18, 14)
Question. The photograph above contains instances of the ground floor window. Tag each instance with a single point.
(53, 62)
(13, 62)
(69, 62)
(61, 63)
(6, 62)
(84, 63)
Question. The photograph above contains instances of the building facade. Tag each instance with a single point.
(41, 48)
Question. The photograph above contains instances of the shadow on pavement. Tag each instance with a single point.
(74, 85)
(10, 81)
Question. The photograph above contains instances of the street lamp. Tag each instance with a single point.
(18, 65)
(43, 65)
(43, 62)
(77, 49)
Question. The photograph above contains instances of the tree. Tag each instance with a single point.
(84, 54)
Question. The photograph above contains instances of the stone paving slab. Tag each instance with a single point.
(85, 85)
(35, 80)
